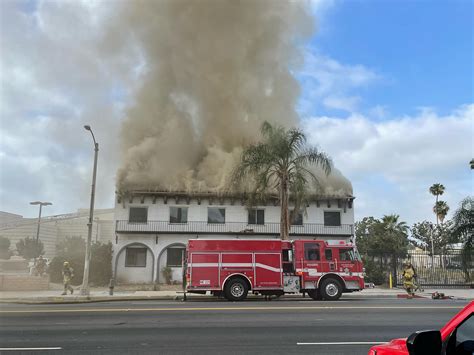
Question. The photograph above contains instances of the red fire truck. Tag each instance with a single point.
(232, 268)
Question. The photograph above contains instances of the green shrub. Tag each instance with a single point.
(29, 248)
(374, 273)
(73, 250)
(167, 274)
(5, 252)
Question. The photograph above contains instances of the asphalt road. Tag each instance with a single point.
(207, 327)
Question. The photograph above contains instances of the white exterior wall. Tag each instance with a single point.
(234, 213)
(158, 242)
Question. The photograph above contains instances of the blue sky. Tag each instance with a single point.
(421, 50)
(386, 91)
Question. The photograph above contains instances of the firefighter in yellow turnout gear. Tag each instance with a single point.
(68, 274)
(409, 279)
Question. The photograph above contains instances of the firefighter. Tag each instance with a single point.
(408, 279)
(40, 266)
(68, 274)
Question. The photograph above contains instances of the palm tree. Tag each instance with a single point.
(437, 190)
(280, 162)
(441, 209)
(463, 230)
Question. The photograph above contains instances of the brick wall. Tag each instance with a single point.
(23, 282)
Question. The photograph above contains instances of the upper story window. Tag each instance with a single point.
(178, 215)
(296, 219)
(332, 218)
(138, 215)
(215, 215)
(256, 216)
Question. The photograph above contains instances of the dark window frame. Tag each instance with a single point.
(182, 250)
(215, 208)
(326, 252)
(179, 208)
(143, 221)
(255, 212)
(312, 247)
(296, 221)
(327, 219)
(128, 256)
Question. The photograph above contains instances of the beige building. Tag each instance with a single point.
(56, 228)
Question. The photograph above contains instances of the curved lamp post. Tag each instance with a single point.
(85, 280)
(41, 204)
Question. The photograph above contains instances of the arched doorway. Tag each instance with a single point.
(171, 256)
(135, 263)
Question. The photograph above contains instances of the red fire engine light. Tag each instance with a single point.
(300, 273)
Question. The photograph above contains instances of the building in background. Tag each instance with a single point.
(152, 228)
(56, 228)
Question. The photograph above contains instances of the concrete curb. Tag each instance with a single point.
(93, 299)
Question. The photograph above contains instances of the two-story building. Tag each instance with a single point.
(152, 228)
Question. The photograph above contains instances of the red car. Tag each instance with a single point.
(455, 338)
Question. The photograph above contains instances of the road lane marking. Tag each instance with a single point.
(347, 343)
(30, 349)
(184, 309)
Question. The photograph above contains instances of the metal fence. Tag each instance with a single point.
(125, 226)
(447, 270)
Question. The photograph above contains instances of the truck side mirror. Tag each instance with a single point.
(425, 342)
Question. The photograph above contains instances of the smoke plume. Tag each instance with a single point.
(212, 72)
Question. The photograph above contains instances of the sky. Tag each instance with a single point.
(386, 91)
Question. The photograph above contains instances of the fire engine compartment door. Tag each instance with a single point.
(268, 272)
(204, 270)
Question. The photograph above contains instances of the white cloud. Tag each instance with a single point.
(332, 84)
(392, 163)
(55, 77)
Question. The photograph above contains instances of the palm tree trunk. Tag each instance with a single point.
(284, 218)
(437, 218)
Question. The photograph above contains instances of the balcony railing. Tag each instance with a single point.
(123, 226)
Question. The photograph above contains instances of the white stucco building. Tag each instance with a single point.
(152, 228)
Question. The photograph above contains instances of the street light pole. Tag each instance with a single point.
(41, 204)
(85, 280)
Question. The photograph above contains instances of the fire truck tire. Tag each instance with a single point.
(236, 289)
(315, 295)
(330, 289)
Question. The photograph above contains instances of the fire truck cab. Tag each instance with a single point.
(232, 268)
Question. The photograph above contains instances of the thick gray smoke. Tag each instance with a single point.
(214, 71)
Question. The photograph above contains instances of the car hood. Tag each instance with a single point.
(394, 347)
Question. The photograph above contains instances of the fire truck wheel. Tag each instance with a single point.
(315, 295)
(236, 289)
(331, 290)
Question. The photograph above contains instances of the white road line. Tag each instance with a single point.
(30, 349)
(347, 343)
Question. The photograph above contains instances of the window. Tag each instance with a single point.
(346, 255)
(256, 216)
(138, 215)
(215, 215)
(135, 257)
(460, 341)
(311, 251)
(178, 215)
(296, 220)
(332, 219)
(174, 257)
(328, 254)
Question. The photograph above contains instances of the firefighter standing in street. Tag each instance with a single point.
(408, 279)
(68, 274)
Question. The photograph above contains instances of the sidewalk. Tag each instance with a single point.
(102, 295)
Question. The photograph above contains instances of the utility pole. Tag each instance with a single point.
(85, 280)
(41, 204)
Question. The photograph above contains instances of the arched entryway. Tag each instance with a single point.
(171, 256)
(135, 263)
